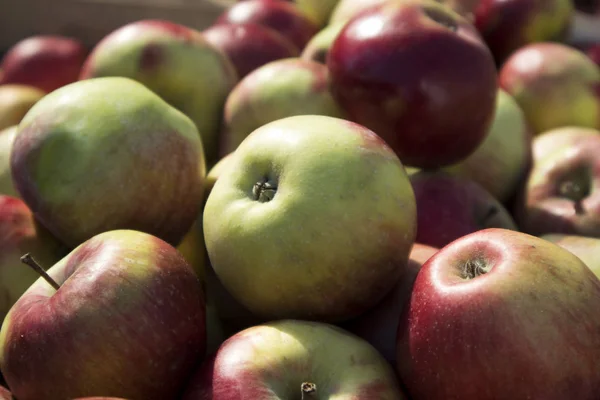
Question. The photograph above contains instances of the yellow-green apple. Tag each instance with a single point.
(318, 11)
(105, 154)
(5, 394)
(507, 25)
(20, 233)
(293, 359)
(418, 75)
(249, 46)
(279, 89)
(449, 207)
(561, 193)
(378, 325)
(122, 315)
(500, 163)
(176, 63)
(15, 101)
(284, 17)
(318, 47)
(586, 248)
(555, 85)
(46, 62)
(286, 222)
(7, 137)
(500, 314)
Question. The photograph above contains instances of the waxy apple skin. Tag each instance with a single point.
(555, 85)
(306, 191)
(586, 248)
(127, 321)
(525, 329)
(418, 75)
(90, 154)
(272, 361)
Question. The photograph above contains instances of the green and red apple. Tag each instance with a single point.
(7, 137)
(586, 248)
(286, 222)
(318, 47)
(15, 101)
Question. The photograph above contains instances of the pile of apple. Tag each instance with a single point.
(310, 199)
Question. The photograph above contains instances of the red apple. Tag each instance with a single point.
(449, 207)
(280, 16)
(45, 62)
(500, 314)
(418, 75)
(122, 315)
(378, 326)
(593, 52)
(249, 46)
(5, 394)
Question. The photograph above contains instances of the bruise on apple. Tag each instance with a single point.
(151, 57)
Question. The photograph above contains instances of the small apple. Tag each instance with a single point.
(418, 75)
(378, 326)
(122, 315)
(586, 248)
(281, 16)
(176, 63)
(555, 85)
(15, 101)
(294, 359)
(500, 314)
(318, 47)
(46, 62)
(249, 46)
(307, 191)
(7, 137)
(280, 89)
(108, 153)
(5, 394)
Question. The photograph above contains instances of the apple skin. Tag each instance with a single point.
(15, 101)
(5, 394)
(113, 132)
(555, 85)
(318, 11)
(385, 64)
(586, 248)
(272, 361)
(7, 137)
(20, 233)
(560, 195)
(127, 298)
(593, 52)
(249, 46)
(378, 326)
(449, 207)
(321, 185)
(527, 329)
(280, 16)
(280, 89)
(46, 62)
(176, 63)
(318, 47)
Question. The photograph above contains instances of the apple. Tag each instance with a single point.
(20, 233)
(280, 89)
(292, 359)
(7, 137)
(501, 162)
(555, 85)
(122, 315)
(108, 153)
(5, 394)
(449, 207)
(306, 191)
(175, 62)
(378, 326)
(560, 195)
(281, 16)
(500, 314)
(593, 52)
(586, 248)
(15, 101)
(418, 75)
(249, 46)
(318, 11)
(46, 62)
(318, 47)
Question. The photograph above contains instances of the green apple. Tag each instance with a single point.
(105, 154)
(314, 218)
(586, 248)
(318, 47)
(175, 62)
(7, 137)
(15, 101)
(318, 11)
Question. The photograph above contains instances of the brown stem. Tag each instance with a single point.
(309, 390)
(27, 259)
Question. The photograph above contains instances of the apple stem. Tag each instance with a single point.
(27, 259)
(309, 390)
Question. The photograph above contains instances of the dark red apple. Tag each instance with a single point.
(249, 46)
(378, 326)
(507, 25)
(593, 52)
(419, 75)
(500, 314)
(281, 16)
(45, 62)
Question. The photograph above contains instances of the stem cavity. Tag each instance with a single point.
(308, 390)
